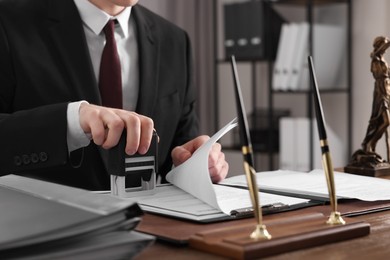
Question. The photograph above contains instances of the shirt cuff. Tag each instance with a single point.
(76, 137)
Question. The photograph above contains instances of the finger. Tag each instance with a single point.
(220, 174)
(133, 131)
(98, 131)
(217, 165)
(214, 155)
(179, 155)
(194, 144)
(114, 128)
(147, 129)
(91, 122)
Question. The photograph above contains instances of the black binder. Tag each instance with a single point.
(252, 30)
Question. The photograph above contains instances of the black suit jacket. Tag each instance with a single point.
(45, 64)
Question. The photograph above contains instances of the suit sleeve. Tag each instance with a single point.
(29, 139)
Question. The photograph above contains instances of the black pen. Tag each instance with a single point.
(247, 152)
(335, 217)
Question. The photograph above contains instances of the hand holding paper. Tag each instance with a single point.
(193, 196)
(218, 167)
(196, 168)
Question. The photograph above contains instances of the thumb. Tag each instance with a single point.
(179, 155)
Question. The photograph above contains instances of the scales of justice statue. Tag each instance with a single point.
(366, 161)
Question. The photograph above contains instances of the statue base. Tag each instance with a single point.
(373, 172)
(368, 165)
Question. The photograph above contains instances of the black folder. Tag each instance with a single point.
(252, 30)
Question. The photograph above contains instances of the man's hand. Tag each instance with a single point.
(107, 124)
(218, 167)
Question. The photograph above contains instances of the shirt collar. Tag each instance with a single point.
(96, 19)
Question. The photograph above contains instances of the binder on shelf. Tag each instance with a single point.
(252, 30)
(291, 70)
(299, 57)
(288, 55)
(295, 153)
(282, 49)
(231, 31)
(287, 143)
(302, 146)
(264, 139)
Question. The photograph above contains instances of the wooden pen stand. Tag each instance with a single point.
(288, 234)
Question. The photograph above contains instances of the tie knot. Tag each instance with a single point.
(109, 29)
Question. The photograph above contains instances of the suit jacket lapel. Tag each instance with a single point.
(149, 60)
(68, 36)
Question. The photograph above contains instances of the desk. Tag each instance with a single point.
(374, 246)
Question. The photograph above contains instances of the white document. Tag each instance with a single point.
(193, 175)
(313, 184)
(173, 201)
(194, 196)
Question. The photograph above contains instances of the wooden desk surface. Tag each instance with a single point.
(374, 246)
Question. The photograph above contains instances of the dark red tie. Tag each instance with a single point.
(110, 80)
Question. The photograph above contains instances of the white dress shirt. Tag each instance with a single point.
(94, 20)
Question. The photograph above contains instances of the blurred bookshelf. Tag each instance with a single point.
(257, 73)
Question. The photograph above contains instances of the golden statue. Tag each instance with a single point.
(366, 161)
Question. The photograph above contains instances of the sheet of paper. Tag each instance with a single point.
(169, 198)
(193, 175)
(348, 186)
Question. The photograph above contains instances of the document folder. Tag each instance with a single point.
(36, 214)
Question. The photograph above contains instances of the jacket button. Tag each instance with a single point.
(26, 159)
(43, 156)
(34, 157)
(17, 160)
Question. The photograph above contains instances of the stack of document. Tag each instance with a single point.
(191, 194)
(291, 67)
(42, 220)
(313, 185)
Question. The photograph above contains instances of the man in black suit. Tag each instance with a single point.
(51, 116)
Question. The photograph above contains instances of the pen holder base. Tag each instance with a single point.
(287, 235)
